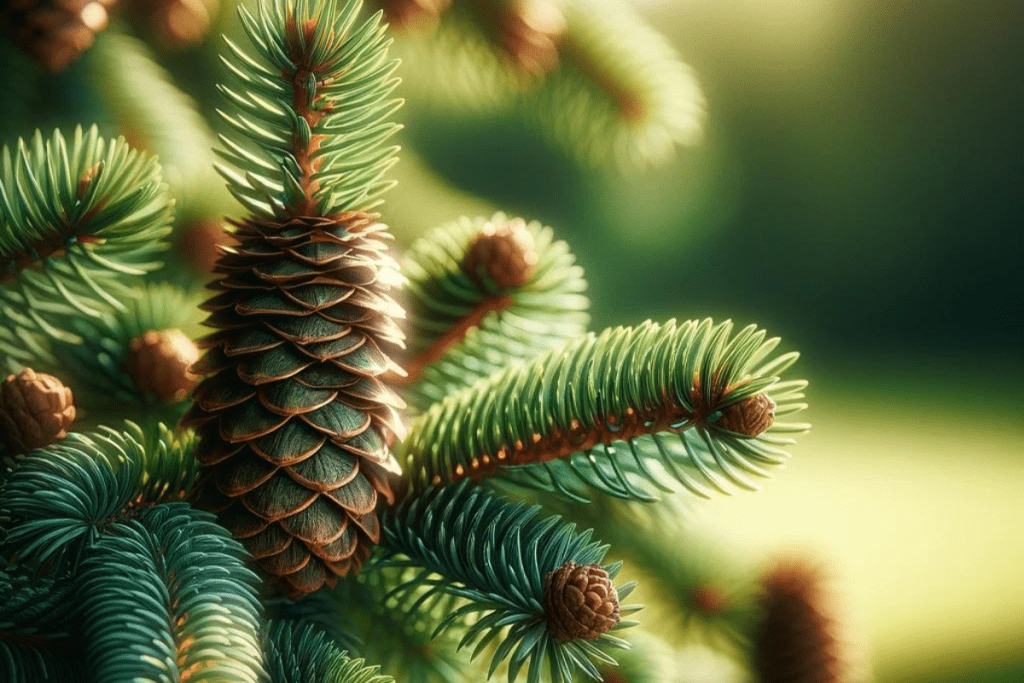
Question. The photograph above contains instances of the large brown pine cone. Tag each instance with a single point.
(54, 32)
(505, 253)
(796, 641)
(36, 410)
(580, 602)
(296, 422)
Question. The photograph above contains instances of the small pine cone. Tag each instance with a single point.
(750, 417)
(795, 641)
(36, 410)
(159, 362)
(411, 14)
(505, 252)
(580, 602)
(530, 32)
(54, 32)
(296, 420)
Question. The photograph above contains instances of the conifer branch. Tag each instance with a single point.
(35, 615)
(178, 580)
(716, 397)
(624, 95)
(166, 597)
(78, 219)
(61, 497)
(464, 326)
(501, 559)
(304, 654)
(309, 111)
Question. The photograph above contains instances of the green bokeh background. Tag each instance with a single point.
(858, 191)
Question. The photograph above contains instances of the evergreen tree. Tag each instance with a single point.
(408, 459)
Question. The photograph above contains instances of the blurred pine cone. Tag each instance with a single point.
(795, 641)
(54, 32)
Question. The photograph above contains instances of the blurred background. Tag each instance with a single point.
(855, 187)
(858, 190)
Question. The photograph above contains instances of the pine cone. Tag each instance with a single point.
(159, 362)
(530, 32)
(296, 423)
(580, 602)
(36, 410)
(54, 32)
(751, 416)
(505, 253)
(795, 642)
(410, 14)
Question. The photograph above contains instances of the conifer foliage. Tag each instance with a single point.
(372, 499)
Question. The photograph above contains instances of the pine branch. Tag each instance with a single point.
(624, 95)
(60, 498)
(464, 326)
(606, 87)
(304, 654)
(168, 572)
(616, 399)
(35, 616)
(309, 111)
(509, 566)
(78, 219)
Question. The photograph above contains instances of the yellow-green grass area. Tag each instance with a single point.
(913, 495)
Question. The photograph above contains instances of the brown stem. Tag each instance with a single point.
(454, 335)
(558, 444)
(305, 104)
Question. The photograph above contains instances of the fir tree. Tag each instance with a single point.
(329, 488)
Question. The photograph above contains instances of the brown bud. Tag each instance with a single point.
(159, 362)
(751, 416)
(796, 640)
(580, 602)
(504, 252)
(36, 410)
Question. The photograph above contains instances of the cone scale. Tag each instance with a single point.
(295, 420)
